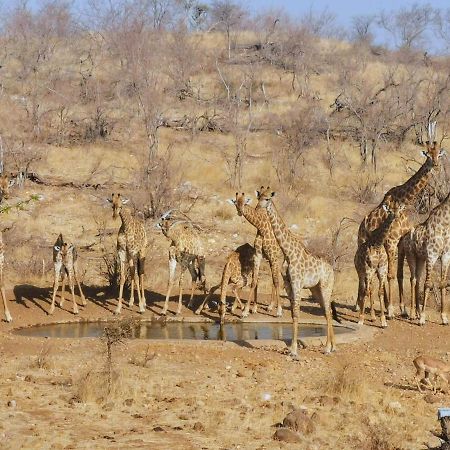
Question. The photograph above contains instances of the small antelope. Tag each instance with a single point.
(238, 272)
(426, 366)
(65, 264)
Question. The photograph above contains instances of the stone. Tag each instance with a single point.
(128, 402)
(286, 435)
(431, 398)
(298, 420)
(198, 426)
(12, 403)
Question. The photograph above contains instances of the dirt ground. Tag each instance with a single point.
(210, 395)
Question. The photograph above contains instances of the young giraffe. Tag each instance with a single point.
(423, 246)
(265, 245)
(186, 249)
(305, 271)
(65, 264)
(371, 259)
(131, 249)
(404, 194)
(238, 272)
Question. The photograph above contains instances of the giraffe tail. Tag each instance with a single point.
(334, 312)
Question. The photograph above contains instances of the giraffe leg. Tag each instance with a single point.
(322, 293)
(429, 265)
(8, 317)
(63, 288)
(381, 288)
(140, 269)
(206, 298)
(121, 255)
(275, 269)
(72, 291)
(180, 296)
(131, 302)
(373, 316)
(83, 298)
(55, 288)
(295, 311)
(444, 270)
(400, 267)
(367, 294)
(237, 300)
(172, 267)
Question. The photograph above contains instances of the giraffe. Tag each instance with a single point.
(422, 247)
(237, 272)
(305, 271)
(404, 194)
(265, 245)
(8, 316)
(5, 184)
(65, 264)
(131, 249)
(186, 248)
(371, 259)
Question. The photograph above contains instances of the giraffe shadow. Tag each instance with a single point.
(27, 295)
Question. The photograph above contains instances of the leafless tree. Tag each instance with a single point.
(408, 26)
(361, 28)
(227, 15)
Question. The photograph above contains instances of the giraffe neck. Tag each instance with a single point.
(287, 241)
(407, 192)
(379, 235)
(252, 215)
(126, 217)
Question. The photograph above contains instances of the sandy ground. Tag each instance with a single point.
(209, 395)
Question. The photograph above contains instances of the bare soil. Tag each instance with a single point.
(209, 395)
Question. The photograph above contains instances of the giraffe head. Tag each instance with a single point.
(265, 196)
(5, 183)
(62, 248)
(433, 152)
(240, 201)
(117, 202)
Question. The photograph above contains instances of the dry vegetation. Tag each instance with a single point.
(179, 104)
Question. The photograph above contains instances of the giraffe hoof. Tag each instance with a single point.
(198, 311)
(244, 314)
(269, 308)
(117, 312)
(8, 318)
(360, 323)
(444, 321)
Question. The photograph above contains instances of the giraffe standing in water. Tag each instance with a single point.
(305, 271)
(404, 194)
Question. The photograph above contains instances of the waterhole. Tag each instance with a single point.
(184, 330)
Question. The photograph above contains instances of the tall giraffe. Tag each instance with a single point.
(131, 249)
(371, 259)
(186, 248)
(423, 246)
(305, 270)
(404, 194)
(265, 245)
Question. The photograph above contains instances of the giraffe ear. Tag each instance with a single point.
(248, 200)
(109, 200)
(12, 182)
(385, 207)
(257, 193)
(442, 152)
(125, 200)
(273, 194)
(424, 153)
(231, 201)
(57, 248)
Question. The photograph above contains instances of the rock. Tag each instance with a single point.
(198, 426)
(286, 435)
(431, 398)
(158, 429)
(396, 406)
(326, 400)
(128, 402)
(298, 420)
(12, 403)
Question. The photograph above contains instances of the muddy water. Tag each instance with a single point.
(183, 330)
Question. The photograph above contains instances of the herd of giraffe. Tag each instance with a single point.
(383, 234)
